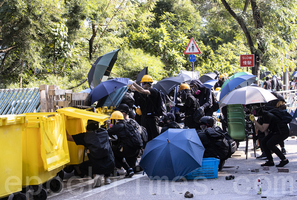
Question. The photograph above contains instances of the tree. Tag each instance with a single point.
(266, 26)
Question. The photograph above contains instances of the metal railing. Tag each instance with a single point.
(18, 101)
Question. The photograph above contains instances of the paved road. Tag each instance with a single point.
(275, 185)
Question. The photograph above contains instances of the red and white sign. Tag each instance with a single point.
(192, 48)
(247, 60)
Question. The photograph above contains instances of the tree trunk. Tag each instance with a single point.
(91, 41)
(260, 41)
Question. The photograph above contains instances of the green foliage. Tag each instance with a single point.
(55, 42)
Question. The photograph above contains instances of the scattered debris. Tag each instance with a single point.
(255, 170)
(265, 168)
(229, 177)
(188, 195)
(283, 170)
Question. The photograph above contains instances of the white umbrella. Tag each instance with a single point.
(247, 95)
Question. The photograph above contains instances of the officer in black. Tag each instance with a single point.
(146, 98)
(169, 122)
(190, 105)
(203, 94)
(101, 162)
(122, 147)
(276, 134)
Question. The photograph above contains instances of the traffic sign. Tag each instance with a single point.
(192, 58)
(247, 60)
(192, 48)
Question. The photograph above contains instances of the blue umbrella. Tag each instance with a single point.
(107, 87)
(102, 67)
(237, 82)
(210, 83)
(294, 73)
(173, 154)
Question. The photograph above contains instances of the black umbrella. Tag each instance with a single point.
(293, 127)
(168, 84)
(102, 67)
(264, 74)
(141, 74)
(208, 76)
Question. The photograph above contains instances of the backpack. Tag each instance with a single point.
(220, 143)
(215, 103)
(134, 138)
(282, 114)
(231, 142)
(98, 143)
(160, 105)
(141, 129)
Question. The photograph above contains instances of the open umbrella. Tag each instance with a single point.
(264, 74)
(210, 83)
(247, 95)
(294, 74)
(143, 72)
(208, 76)
(173, 154)
(102, 67)
(168, 84)
(107, 87)
(238, 82)
(235, 76)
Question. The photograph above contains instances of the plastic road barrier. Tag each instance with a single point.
(45, 149)
(11, 127)
(75, 122)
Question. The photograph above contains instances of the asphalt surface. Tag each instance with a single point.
(274, 184)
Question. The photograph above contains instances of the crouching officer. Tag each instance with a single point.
(122, 147)
(101, 159)
(190, 105)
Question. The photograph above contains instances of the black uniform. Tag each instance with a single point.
(204, 97)
(121, 149)
(274, 137)
(149, 119)
(104, 165)
(190, 105)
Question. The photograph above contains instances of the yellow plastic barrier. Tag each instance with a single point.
(11, 127)
(45, 148)
(76, 121)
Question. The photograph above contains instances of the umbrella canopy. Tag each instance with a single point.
(210, 83)
(238, 82)
(294, 74)
(264, 74)
(107, 87)
(102, 67)
(173, 154)
(143, 72)
(208, 76)
(247, 95)
(235, 76)
(168, 84)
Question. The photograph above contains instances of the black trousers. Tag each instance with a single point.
(130, 155)
(151, 125)
(270, 141)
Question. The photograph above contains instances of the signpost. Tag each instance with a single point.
(192, 49)
(247, 61)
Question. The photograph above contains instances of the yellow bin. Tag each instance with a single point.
(45, 148)
(76, 121)
(11, 127)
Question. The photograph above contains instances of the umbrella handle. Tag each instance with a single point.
(167, 140)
